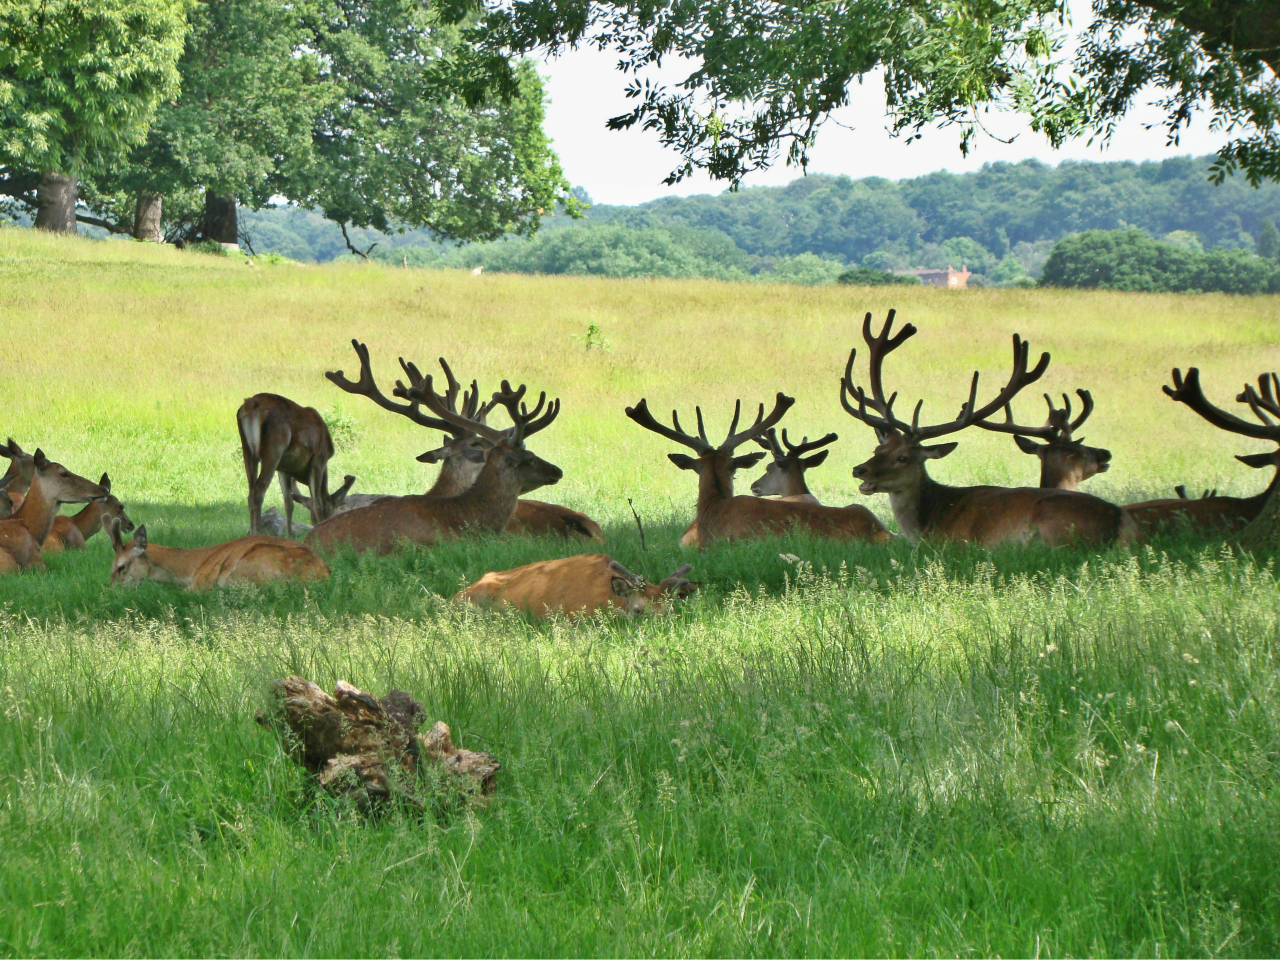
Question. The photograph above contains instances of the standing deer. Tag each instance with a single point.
(1212, 512)
(252, 559)
(926, 509)
(22, 534)
(723, 516)
(578, 586)
(70, 533)
(1065, 463)
(463, 453)
(488, 504)
(278, 436)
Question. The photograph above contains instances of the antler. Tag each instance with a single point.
(700, 444)
(1188, 390)
(769, 440)
(527, 422)
(1057, 429)
(641, 415)
(366, 386)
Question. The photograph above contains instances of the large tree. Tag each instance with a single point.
(767, 73)
(80, 81)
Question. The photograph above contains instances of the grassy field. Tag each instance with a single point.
(862, 751)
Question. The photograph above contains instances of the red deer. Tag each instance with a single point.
(1065, 463)
(6, 502)
(578, 586)
(784, 474)
(21, 469)
(22, 534)
(278, 436)
(926, 509)
(488, 504)
(723, 516)
(70, 533)
(463, 453)
(1211, 512)
(252, 559)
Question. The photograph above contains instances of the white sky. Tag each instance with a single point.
(585, 90)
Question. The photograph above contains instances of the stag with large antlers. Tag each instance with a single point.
(926, 509)
(723, 516)
(278, 436)
(488, 504)
(1065, 462)
(463, 454)
(1211, 512)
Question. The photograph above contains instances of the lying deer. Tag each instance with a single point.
(21, 469)
(278, 436)
(488, 504)
(1211, 512)
(6, 502)
(578, 586)
(723, 516)
(1065, 463)
(926, 509)
(70, 533)
(22, 534)
(463, 453)
(252, 559)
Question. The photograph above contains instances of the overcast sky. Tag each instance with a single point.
(585, 90)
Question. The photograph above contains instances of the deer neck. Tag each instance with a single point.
(89, 520)
(1059, 479)
(451, 481)
(798, 486)
(715, 485)
(37, 512)
(1257, 500)
(492, 500)
(175, 564)
(920, 508)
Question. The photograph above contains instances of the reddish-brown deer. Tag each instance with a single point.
(463, 454)
(252, 559)
(488, 504)
(784, 474)
(278, 436)
(1065, 462)
(22, 468)
(926, 509)
(22, 534)
(70, 533)
(1212, 513)
(6, 502)
(578, 586)
(723, 516)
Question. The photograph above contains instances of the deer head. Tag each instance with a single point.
(898, 463)
(638, 596)
(59, 485)
(131, 564)
(1065, 462)
(784, 474)
(22, 466)
(113, 508)
(6, 502)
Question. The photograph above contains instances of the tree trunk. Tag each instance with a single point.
(146, 218)
(56, 198)
(220, 218)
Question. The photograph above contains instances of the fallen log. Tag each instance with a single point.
(368, 748)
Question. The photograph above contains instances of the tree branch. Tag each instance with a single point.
(366, 253)
(104, 224)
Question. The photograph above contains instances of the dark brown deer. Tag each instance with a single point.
(926, 509)
(1065, 462)
(463, 453)
(723, 516)
(22, 534)
(70, 533)
(488, 504)
(1212, 513)
(278, 436)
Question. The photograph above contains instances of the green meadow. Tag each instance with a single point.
(829, 750)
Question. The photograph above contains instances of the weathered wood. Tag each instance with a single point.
(367, 748)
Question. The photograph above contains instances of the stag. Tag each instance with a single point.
(784, 474)
(1065, 462)
(986, 515)
(70, 533)
(22, 534)
(1212, 512)
(723, 516)
(278, 436)
(488, 504)
(578, 586)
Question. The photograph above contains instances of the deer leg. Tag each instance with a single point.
(251, 474)
(271, 447)
(288, 487)
(319, 477)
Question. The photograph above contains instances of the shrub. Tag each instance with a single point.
(871, 277)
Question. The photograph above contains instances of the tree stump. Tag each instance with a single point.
(359, 746)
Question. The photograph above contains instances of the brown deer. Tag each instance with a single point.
(21, 469)
(463, 453)
(70, 533)
(784, 474)
(1211, 512)
(6, 502)
(1065, 463)
(22, 534)
(578, 586)
(488, 504)
(278, 436)
(252, 559)
(723, 516)
(926, 509)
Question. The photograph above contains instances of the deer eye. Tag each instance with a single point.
(902, 458)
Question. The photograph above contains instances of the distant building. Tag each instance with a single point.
(950, 278)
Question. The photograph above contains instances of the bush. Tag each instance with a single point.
(871, 277)
(806, 269)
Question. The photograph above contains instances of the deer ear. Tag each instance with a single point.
(41, 460)
(139, 538)
(623, 581)
(1029, 446)
(105, 483)
(683, 461)
(808, 463)
(1258, 460)
(112, 527)
(747, 460)
(938, 451)
(5, 481)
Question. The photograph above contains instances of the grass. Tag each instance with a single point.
(865, 751)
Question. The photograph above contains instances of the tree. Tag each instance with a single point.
(768, 74)
(80, 81)
(1269, 240)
